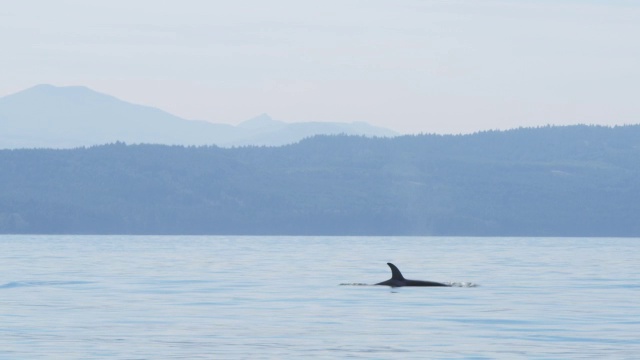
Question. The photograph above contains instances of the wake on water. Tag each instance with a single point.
(450, 284)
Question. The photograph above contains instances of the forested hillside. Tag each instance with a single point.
(551, 181)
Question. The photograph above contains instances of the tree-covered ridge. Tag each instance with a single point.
(555, 181)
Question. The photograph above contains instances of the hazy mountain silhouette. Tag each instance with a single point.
(47, 116)
(263, 130)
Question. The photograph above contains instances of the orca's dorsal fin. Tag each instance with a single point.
(395, 273)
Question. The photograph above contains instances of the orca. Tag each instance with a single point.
(398, 280)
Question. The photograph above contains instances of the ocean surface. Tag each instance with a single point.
(220, 297)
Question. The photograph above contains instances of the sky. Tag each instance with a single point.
(415, 66)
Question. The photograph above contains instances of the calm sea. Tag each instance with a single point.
(179, 297)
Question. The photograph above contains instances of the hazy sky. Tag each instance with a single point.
(443, 66)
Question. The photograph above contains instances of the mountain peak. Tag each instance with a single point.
(42, 87)
(52, 88)
(260, 122)
(48, 92)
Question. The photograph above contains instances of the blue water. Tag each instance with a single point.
(177, 297)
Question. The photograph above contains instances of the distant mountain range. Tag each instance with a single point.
(47, 116)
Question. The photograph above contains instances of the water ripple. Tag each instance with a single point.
(19, 284)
